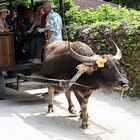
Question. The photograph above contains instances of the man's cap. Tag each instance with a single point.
(47, 4)
(3, 8)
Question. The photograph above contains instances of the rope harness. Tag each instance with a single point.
(65, 84)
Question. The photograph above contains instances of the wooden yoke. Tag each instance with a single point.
(85, 68)
(82, 68)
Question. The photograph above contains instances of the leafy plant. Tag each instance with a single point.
(118, 23)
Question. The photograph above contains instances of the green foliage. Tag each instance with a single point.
(67, 4)
(135, 93)
(122, 25)
(107, 13)
(80, 17)
(24, 2)
(104, 13)
(128, 3)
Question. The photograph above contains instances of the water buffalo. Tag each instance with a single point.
(61, 61)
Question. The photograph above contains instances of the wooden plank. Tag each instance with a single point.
(6, 49)
(20, 67)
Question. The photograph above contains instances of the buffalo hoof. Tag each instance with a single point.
(72, 109)
(84, 125)
(50, 109)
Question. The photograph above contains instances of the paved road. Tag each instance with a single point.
(23, 117)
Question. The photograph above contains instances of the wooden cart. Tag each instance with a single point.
(7, 55)
(7, 60)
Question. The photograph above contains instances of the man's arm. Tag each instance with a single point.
(47, 38)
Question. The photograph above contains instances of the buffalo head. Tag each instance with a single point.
(106, 72)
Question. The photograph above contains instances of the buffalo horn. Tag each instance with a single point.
(83, 58)
(118, 55)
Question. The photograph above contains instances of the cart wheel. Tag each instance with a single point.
(2, 87)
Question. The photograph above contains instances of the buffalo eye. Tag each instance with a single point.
(107, 66)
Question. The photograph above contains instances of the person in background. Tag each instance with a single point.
(4, 12)
(27, 24)
(53, 28)
(13, 14)
(18, 26)
(10, 18)
(37, 40)
(19, 31)
(38, 12)
(28, 19)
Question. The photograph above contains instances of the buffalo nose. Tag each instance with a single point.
(124, 83)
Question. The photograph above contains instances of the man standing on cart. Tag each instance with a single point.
(53, 26)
